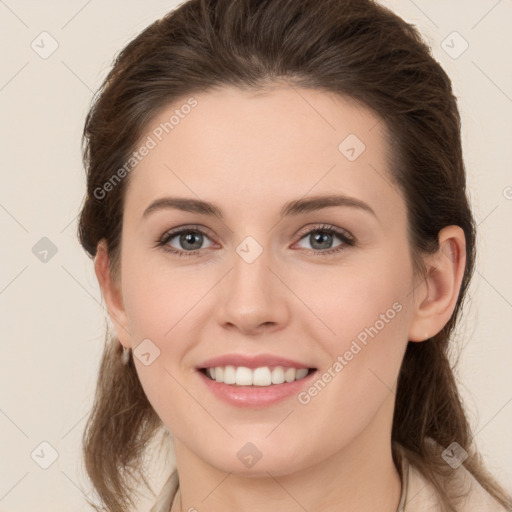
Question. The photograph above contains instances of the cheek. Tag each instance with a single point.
(369, 314)
(158, 298)
(365, 313)
(352, 298)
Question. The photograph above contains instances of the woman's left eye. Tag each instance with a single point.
(324, 235)
(191, 240)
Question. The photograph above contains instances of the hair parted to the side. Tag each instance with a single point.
(354, 48)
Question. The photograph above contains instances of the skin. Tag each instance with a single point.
(250, 153)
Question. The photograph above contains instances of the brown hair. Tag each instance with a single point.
(354, 48)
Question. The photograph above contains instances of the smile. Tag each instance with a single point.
(262, 376)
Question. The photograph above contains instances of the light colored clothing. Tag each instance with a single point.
(418, 494)
(164, 500)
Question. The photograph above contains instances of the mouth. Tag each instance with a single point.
(264, 376)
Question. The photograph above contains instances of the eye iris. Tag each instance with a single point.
(320, 236)
(188, 238)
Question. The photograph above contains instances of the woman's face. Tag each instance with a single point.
(248, 281)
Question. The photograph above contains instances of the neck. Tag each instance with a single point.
(361, 476)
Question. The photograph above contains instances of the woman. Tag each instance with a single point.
(287, 374)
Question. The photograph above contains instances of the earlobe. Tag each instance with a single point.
(111, 294)
(440, 289)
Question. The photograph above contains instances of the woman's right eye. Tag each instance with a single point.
(190, 240)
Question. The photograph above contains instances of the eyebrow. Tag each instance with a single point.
(296, 207)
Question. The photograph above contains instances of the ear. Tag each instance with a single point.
(438, 293)
(111, 292)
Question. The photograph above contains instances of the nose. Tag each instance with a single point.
(253, 298)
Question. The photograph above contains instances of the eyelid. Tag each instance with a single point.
(326, 227)
(186, 227)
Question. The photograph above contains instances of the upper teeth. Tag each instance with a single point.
(264, 376)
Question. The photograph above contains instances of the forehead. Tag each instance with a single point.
(281, 143)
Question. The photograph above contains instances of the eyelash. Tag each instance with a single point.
(343, 235)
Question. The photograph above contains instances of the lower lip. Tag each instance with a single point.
(255, 396)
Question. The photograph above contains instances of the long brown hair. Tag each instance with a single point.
(354, 48)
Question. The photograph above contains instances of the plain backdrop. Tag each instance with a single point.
(52, 319)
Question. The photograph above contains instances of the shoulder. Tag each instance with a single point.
(421, 495)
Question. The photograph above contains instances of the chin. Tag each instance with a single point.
(256, 460)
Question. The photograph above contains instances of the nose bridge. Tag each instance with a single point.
(251, 294)
(251, 275)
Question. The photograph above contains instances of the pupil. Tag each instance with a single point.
(322, 236)
(188, 238)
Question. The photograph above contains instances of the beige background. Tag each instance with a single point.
(51, 313)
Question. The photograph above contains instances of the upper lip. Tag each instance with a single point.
(254, 361)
